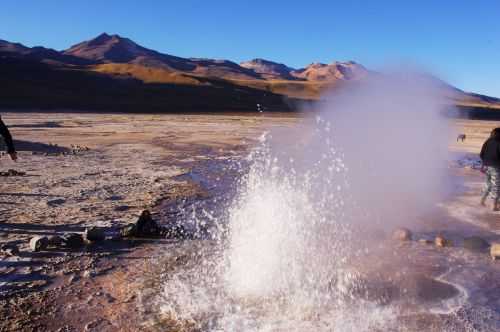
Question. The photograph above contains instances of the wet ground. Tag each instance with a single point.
(185, 169)
(394, 286)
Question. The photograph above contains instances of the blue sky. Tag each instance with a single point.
(458, 41)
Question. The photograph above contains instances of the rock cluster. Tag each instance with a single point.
(60, 151)
(75, 149)
(474, 243)
(72, 240)
(94, 234)
(12, 172)
(144, 227)
(68, 240)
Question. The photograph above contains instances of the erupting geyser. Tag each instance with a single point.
(372, 158)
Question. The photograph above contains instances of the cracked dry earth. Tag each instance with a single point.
(133, 162)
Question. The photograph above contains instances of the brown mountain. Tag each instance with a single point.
(8, 47)
(31, 84)
(40, 53)
(269, 69)
(320, 72)
(113, 72)
(116, 49)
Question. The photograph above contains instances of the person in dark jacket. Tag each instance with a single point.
(490, 156)
(4, 131)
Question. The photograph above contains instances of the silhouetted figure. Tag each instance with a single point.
(4, 131)
(490, 156)
(461, 137)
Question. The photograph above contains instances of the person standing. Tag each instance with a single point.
(490, 157)
(4, 131)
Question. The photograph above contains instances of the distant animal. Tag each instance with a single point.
(461, 137)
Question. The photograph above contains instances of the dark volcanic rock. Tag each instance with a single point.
(146, 226)
(94, 234)
(73, 240)
(476, 243)
(54, 241)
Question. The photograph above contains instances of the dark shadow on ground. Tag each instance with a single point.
(39, 229)
(9, 203)
(47, 124)
(27, 195)
(35, 147)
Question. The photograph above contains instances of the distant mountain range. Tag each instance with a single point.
(111, 72)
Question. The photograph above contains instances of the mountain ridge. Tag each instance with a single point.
(120, 59)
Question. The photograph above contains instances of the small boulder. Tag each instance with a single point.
(38, 243)
(94, 234)
(56, 202)
(72, 240)
(495, 251)
(402, 234)
(441, 241)
(146, 226)
(475, 243)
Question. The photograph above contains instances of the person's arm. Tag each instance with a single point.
(4, 131)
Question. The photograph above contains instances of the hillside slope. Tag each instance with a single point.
(114, 72)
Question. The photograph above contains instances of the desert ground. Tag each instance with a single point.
(132, 163)
(103, 170)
